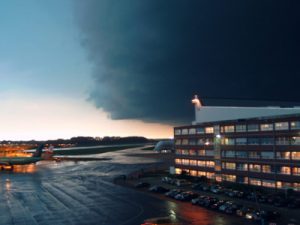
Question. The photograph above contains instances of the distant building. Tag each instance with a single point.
(250, 145)
(165, 146)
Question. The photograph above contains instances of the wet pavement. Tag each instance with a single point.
(79, 193)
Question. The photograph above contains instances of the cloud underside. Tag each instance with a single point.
(151, 56)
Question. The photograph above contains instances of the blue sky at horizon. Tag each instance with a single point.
(45, 77)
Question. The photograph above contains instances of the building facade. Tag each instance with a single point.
(262, 151)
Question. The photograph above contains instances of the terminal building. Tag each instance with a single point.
(249, 145)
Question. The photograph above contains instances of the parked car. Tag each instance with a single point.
(181, 183)
(242, 211)
(158, 189)
(216, 205)
(233, 208)
(172, 193)
(168, 180)
(142, 185)
(253, 215)
(186, 196)
(224, 206)
(216, 189)
(195, 201)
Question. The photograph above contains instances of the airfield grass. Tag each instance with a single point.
(90, 151)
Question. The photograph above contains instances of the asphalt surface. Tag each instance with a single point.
(79, 193)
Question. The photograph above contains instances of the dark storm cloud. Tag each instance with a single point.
(151, 56)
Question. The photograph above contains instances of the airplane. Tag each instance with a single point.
(11, 161)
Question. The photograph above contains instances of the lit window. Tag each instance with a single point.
(185, 152)
(296, 155)
(254, 167)
(178, 171)
(228, 141)
(282, 126)
(266, 127)
(201, 163)
(254, 155)
(178, 142)
(201, 152)
(295, 125)
(192, 152)
(230, 178)
(193, 173)
(178, 152)
(254, 181)
(295, 140)
(177, 132)
(283, 155)
(185, 141)
(228, 129)
(185, 162)
(285, 170)
(178, 161)
(193, 162)
(210, 163)
(296, 171)
(210, 175)
(184, 131)
(266, 169)
(192, 131)
(209, 130)
(268, 183)
(229, 166)
(242, 166)
(201, 173)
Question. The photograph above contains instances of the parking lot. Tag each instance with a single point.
(251, 204)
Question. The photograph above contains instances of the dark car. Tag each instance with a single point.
(186, 196)
(142, 185)
(172, 193)
(158, 189)
(233, 208)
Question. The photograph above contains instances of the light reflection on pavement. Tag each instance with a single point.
(79, 193)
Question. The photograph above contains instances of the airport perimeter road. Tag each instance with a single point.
(79, 193)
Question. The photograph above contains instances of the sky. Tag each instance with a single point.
(107, 67)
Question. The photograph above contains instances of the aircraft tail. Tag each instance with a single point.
(39, 151)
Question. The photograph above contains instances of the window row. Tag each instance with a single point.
(198, 130)
(261, 141)
(191, 162)
(195, 173)
(193, 141)
(194, 152)
(261, 155)
(261, 168)
(293, 125)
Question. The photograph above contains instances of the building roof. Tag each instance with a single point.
(217, 113)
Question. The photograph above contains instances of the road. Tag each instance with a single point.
(79, 193)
